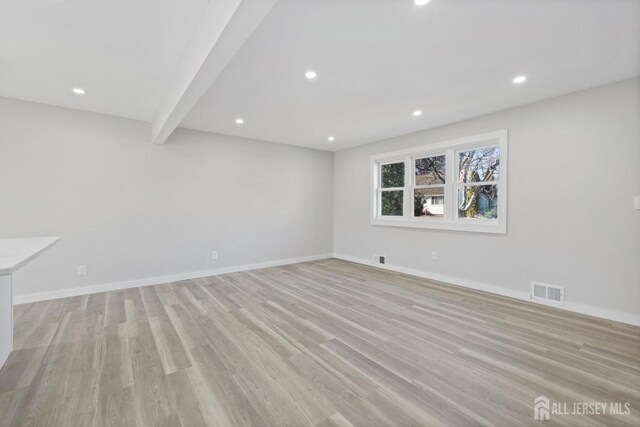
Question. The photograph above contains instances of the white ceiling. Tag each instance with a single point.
(123, 52)
(378, 60)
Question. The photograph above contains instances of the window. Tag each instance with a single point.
(428, 186)
(477, 186)
(452, 185)
(392, 189)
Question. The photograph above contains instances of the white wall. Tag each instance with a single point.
(132, 210)
(568, 158)
(129, 209)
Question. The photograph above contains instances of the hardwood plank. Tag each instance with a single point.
(326, 343)
(186, 403)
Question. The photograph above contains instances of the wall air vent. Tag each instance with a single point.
(378, 259)
(548, 293)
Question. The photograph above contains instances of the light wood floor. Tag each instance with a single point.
(326, 343)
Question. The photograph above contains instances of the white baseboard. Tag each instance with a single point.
(85, 290)
(629, 318)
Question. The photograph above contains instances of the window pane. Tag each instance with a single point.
(479, 165)
(392, 175)
(430, 170)
(480, 201)
(428, 202)
(392, 203)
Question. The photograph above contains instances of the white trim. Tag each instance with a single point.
(618, 316)
(6, 318)
(72, 292)
(603, 313)
(474, 141)
(449, 220)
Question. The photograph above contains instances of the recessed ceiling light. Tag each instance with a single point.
(331, 139)
(519, 79)
(417, 113)
(311, 75)
(79, 91)
(420, 2)
(239, 121)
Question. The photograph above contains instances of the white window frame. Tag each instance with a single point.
(414, 186)
(450, 220)
(389, 161)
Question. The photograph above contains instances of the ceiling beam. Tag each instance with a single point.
(222, 30)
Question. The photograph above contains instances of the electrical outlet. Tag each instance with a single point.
(214, 255)
(434, 255)
(82, 270)
(636, 202)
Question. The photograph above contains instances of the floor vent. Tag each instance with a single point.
(550, 293)
(378, 259)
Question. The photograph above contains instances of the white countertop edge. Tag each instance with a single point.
(15, 253)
